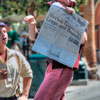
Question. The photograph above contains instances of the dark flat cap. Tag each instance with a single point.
(2, 24)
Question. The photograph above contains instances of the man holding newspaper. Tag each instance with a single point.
(59, 74)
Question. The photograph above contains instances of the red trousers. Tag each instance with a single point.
(54, 83)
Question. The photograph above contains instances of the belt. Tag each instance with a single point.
(8, 98)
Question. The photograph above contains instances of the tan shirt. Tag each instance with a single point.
(17, 66)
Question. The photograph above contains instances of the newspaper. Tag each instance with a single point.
(60, 35)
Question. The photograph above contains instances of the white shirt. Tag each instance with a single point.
(16, 67)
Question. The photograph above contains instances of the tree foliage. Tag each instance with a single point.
(8, 7)
(79, 2)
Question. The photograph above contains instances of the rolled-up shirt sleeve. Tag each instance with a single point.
(25, 68)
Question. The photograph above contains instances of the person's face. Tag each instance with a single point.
(3, 36)
(8, 28)
(68, 3)
(25, 37)
(64, 2)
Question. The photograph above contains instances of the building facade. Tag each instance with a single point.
(97, 24)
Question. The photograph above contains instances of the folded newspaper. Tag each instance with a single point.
(60, 35)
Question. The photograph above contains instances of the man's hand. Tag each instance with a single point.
(3, 74)
(32, 27)
(69, 10)
(23, 97)
(30, 19)
(26, 87)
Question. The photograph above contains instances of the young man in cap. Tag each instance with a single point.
(57, 76)
(12, 65)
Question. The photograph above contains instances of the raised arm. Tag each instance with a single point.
(32, 26)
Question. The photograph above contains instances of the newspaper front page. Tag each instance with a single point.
(60, 35)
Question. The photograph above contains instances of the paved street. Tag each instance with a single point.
(88, 90)
(83, 92)
(91, 91)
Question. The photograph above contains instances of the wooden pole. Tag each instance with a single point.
(90, 47)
